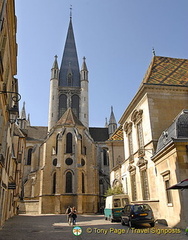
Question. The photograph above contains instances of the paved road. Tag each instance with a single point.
(93, 227)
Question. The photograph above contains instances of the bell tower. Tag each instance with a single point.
(69, 84)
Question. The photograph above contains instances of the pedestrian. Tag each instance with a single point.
(74, 215)
(68, 212)
(17, 210)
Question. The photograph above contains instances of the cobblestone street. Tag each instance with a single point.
(25, 227)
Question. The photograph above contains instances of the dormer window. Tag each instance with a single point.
(69, 79)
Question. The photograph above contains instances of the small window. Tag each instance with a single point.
(69, 161)
(125, 201)
(83, 162)
(166, 179)
(117, 203)
(168, 193)
(55, 162)
(29, 155)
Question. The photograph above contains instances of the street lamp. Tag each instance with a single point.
(13, 113)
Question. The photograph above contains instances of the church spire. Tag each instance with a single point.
(112, 126)
(23, 123)
(69, 60)
(23, 112)
(69, 85)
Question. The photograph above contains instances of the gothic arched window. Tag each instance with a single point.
(69, 143)
(57, 143)
(105, 157)
(54, 183)
(29, 155)
(68, 182)
(62, 104)
(75, 105)
(83, 183)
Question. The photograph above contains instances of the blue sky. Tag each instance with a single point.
(115, 36)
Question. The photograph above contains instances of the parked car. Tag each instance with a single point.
(114, 205)
(133, 214)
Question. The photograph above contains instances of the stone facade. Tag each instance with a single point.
(66, 173)
(171, 161)
(67, 162)
(12, 140)
(160, 98)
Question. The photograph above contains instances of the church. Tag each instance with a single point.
(66, 163)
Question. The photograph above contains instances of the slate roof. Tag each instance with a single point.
(69, 62)
(117, 135)
(36, 133)
(167, 71)
(177, 130)
(99, 134)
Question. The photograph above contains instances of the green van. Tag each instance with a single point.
(114, 205)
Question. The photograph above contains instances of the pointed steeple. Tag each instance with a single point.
(23, 123)
(112, 117)
(69, 61)
(84, 66)
(55, 69)
(23, 112)
(28, 120)
(112, 126)
(84, 71)
(106, 123)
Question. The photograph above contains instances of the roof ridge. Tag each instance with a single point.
(69, 118)
(148, 72)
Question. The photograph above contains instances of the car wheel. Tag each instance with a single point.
(122, 222)
(152, 224)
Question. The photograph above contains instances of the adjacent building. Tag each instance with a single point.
(12, 140)
(145, 172)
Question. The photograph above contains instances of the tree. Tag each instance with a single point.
(113, 191)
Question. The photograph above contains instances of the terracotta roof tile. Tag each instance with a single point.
(118, 135)
(167, 71)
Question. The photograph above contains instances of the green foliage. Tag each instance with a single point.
(114, 191)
